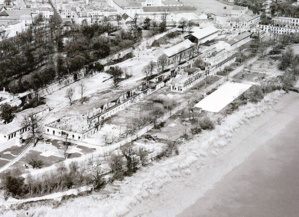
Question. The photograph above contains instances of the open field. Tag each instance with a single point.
(208, 6)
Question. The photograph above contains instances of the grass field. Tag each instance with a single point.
(208, 6)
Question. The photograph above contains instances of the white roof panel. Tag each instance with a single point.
(178, 47)
(202, 33)
(225, 94)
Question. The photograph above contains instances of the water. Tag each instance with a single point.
(265, 185)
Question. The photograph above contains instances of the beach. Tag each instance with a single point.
(266, 184)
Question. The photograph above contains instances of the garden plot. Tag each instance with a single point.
(153, 148)
(266, 66)
(145, 112)
(172, 131)
(92, 84)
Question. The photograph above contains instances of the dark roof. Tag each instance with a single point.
(125, 16)
(4, 14)
(239, 37)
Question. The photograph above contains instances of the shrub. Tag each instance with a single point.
(13, 185)
(116, 165)
(206, 124)
(256, 94)
(196, 130)
(36, 163)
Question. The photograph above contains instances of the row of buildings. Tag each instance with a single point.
(280, 26)
(15, 19)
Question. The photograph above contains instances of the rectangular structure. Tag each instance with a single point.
(222, 97)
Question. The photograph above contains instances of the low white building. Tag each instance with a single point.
(15, 128)
(239, 40)
(185, 81)
(278, 30)
(200, 36)
(286, 21)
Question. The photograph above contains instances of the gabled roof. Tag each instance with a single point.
(178, 48)
(125, 16)
(202, 33)
(4, 14)
(239, 38)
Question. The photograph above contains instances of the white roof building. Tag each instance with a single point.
(178, 48)
(205, 32)
(225, 94)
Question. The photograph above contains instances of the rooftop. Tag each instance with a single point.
(225, 94)
(202, 33)
(178, 48)
(14, 14)
(239, 38)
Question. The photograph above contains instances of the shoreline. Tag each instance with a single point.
(266, 183)
(154, 190)
(207, 174)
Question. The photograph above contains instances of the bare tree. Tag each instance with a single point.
(82, 91)
(183, 24)
(70, 94)
(151, 66)
(118, 19)
(32, 124)
(146, 70)
(162, 61)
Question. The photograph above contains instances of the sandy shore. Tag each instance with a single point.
(182, 192)
(266, 184)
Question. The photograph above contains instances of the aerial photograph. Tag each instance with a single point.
(149, 108)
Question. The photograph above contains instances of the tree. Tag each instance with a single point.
(82, 91)
(36, 163)
(118, 19)
(286, 59)
(147, 23)
(132, 161)
(97, 179)
(70, 94)
(116, 72)
(146, 70)
(199, 63)
(162, 61)
(162, 27)
(32, 124)
(116, 164)
(149, 68)
(7, 113)
(13, 185)
(183, 24)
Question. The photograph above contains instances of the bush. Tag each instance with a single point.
(196, 130)
(36, 163)
(206, 124)
(256, 94)
(13, 185)
(116, 165)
